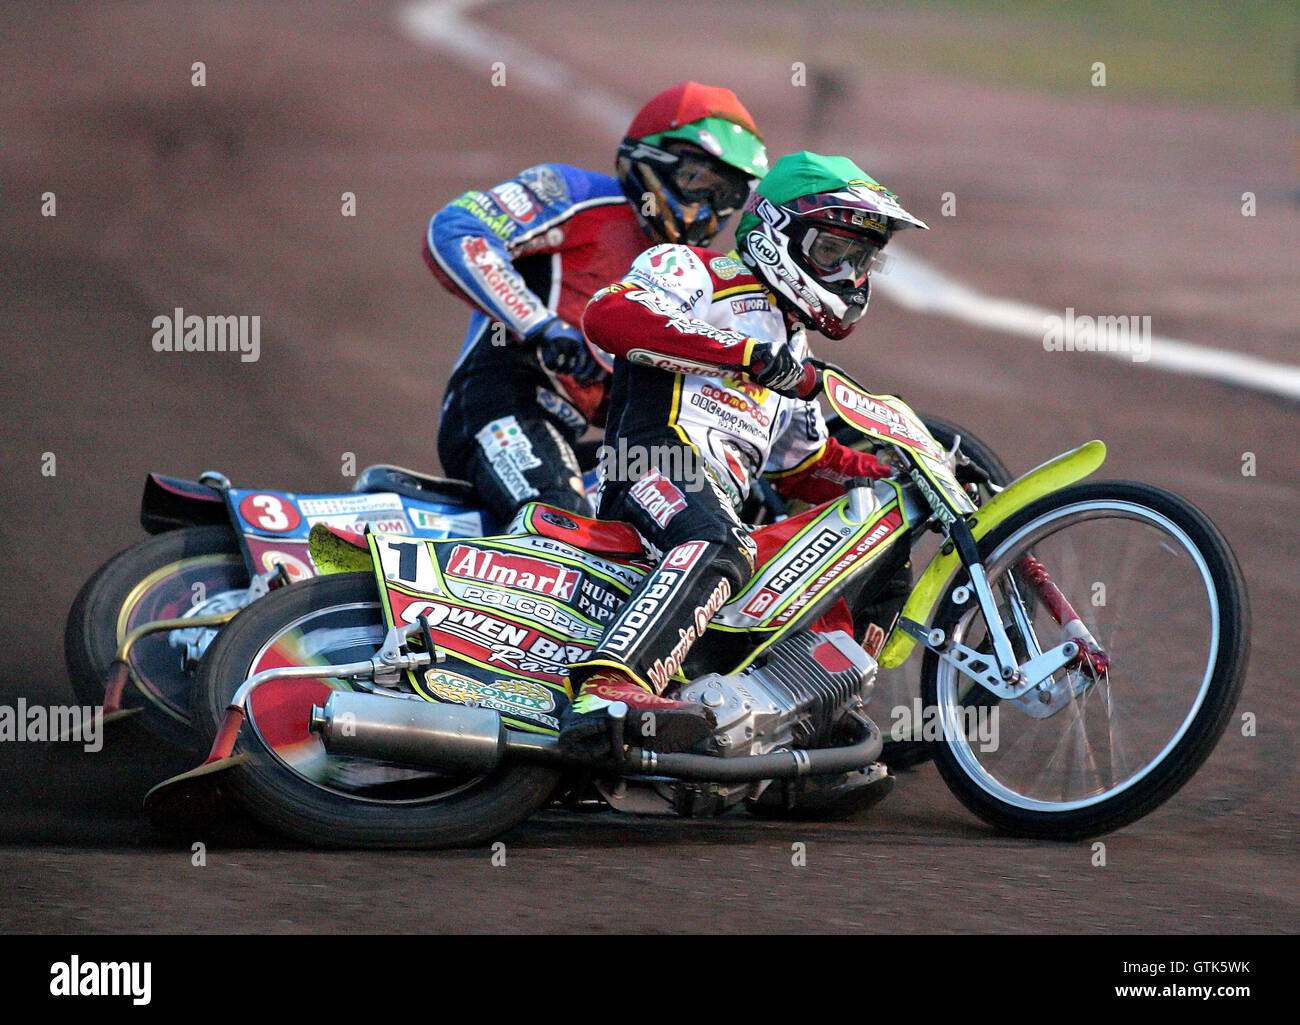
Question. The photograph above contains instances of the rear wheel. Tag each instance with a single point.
(290, 783)
(187, 572)
(1088, 752)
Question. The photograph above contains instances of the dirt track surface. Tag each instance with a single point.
(227, 199)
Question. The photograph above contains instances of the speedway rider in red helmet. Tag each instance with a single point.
(529, 253)
(711, 363)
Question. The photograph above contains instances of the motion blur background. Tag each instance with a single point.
(1126, 198)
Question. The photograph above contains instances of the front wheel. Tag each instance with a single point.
(1093, 749)
(291, 783)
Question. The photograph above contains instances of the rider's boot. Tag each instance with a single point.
(653, 722)
(643, 648)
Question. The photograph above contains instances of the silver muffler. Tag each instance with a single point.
(421, 734)
(473, 741)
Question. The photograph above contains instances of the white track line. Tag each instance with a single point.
(922, 287)
(912, 282)
(442, 24)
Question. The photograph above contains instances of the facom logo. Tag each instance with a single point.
(812, 552)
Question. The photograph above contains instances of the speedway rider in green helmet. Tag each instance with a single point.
(710, 367)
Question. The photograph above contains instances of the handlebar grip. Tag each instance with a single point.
(811, 385)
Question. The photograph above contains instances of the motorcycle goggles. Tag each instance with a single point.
(842, 259)
(700, 178)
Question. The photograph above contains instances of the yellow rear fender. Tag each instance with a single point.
(1053, 475)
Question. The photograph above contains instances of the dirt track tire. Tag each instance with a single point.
(151, 580)
(1133, 743)
(468, 813)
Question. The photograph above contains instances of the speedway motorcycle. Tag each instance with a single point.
(411, 697)
(139, 626)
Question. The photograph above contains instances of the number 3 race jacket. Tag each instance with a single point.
(536, 245)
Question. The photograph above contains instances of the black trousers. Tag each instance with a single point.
(506, 430)
(666, 492)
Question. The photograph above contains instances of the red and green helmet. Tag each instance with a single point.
(812, 232)
(688, 162)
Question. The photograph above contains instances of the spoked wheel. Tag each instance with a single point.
(182, 573)
(289, 781)
(1093, 749)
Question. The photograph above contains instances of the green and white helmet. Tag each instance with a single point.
(812, 232)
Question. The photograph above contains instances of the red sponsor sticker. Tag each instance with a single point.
(686, 555)
(520, 571)
(267, 512)
(492, 274)
(760, 603)
(658, 496)
(878, 417)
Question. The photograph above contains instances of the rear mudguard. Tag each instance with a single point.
(1053, 475)
(170, 503)
(338, 551)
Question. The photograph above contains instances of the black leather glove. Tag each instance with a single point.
(779, 371)
(563, 350)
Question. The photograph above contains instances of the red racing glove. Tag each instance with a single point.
(826, 479)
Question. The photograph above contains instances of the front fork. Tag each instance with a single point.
(1004, 675)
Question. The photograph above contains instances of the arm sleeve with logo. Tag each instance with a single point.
(470, 244)
(655, 309)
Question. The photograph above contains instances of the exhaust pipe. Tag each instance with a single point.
(460, 739)
(424, 734)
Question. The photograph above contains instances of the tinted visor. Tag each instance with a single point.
(841, 257)
(699, 178)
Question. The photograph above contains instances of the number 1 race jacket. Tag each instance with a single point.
(684, 323)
